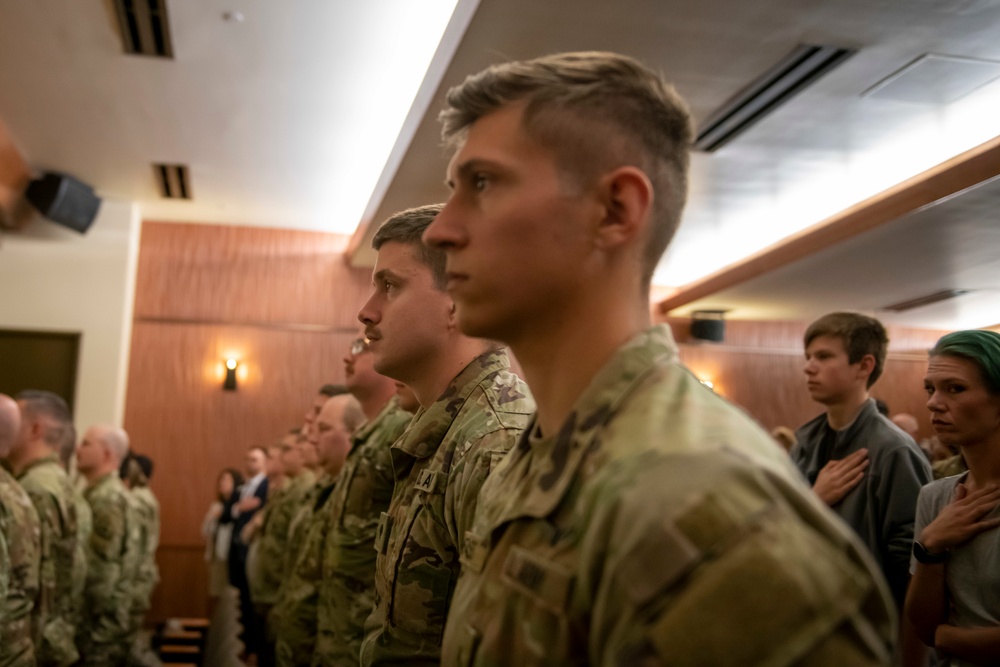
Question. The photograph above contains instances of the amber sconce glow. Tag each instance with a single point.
(230, 382)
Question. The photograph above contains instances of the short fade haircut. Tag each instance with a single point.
(116, 440)
(979, 346)
(596, 112)
(354, 416)
(860, 335)
(37, 403)
(331, 390)
(408, 227)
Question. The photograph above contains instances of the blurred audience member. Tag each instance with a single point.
(217, 529)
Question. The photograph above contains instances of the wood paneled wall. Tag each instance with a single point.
(759, 367)
(282, 302)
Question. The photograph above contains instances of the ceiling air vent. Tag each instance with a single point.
(144, 27)
(926, 300)
(173, 180)
(800, 68)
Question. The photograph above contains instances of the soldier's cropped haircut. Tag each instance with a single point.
(408, 227)
(354, 416)
(860, 335)
(116, 440)
(595, 112)
(39, 403)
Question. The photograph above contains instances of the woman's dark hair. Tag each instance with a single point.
(235, 475)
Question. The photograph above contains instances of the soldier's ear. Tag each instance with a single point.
(626, 195)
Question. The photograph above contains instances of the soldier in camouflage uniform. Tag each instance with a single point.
(84, 525)
(45, 418)
(472, 411)
(295, 614)
(363, 492)
(641, 520)
(106, 633)
(20, 548)
(137, 471)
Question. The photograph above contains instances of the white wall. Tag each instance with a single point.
(54, 279)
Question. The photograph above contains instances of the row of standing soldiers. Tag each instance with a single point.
(77, 563)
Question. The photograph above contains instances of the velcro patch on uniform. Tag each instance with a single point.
(382, 533)
(776, 590)
(475, 551)
(544, 581)
(707, 522)
(431, 481)
(657, 563)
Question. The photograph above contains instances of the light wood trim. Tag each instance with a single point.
(960, 172)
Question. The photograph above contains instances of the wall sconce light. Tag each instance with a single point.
(230, 382)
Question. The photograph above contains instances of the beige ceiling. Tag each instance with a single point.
(263, 111)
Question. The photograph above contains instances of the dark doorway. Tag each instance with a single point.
(39, 360)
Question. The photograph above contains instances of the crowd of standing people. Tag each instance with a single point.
(435, 511)
(77, 556)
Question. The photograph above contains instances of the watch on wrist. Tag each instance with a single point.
(926, 557)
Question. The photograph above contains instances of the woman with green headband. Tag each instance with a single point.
(954, 595)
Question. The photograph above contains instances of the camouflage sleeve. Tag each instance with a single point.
(105, 554)
(5, 567)
(734, 571)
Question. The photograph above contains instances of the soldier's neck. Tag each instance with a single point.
(21, 457)
(562, 357)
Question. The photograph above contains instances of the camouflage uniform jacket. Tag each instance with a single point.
(363, 492)
(147, 509)
(439, 464)
(311, 485)
(295, 614)
(113, 555)
(20, 546)
(660, 526)
(84, 528)
(52, 493)
(272, 539)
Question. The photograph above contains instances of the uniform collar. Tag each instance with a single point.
(553, 460)
(429, 426)
(40, 462)
(365, 431)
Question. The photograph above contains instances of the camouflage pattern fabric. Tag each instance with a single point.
(309, 488)
(660, 526)
(272, 539)
(147, 509)
(298, 527)
(294, 616)
(84, 528)
(21, 546)
(105, 633)
(439, 464)
(52, 494)
(364, 489)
